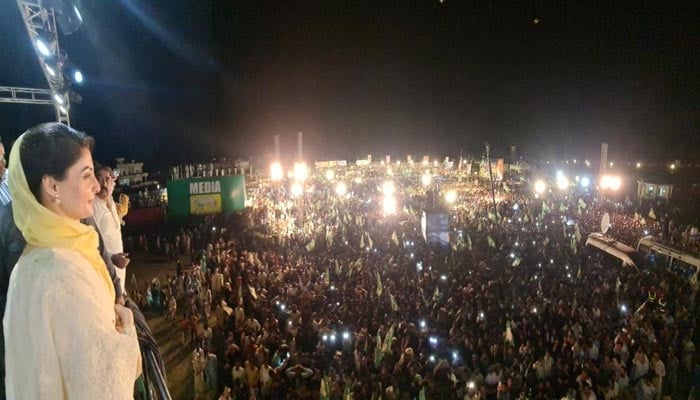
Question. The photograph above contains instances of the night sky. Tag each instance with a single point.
(172, 80)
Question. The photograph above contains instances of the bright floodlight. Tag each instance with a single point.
(330, 174)
(276, 172)
(610, 182)
(63, 110)
(585, 182)
(451, 196)
(77, 13)
(341, 189)
(426, 178)
(43, 48)
(78, 76)
(296, 189)
(540, 186)
(390, 171)
(389, 205)
(562, 182)
(58, 98)
(50, 71)
(388, 188)
(301, 171)
(615, 183)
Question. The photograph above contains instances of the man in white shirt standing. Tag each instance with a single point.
(109, 222)
(660, 372)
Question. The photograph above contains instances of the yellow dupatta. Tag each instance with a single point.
(41, 227)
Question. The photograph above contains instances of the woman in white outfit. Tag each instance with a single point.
(64, 336)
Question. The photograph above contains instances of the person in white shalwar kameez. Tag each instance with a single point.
(64, 336)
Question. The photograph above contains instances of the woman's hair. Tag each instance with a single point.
(50, 149)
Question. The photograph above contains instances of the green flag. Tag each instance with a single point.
(388, 339)
(378, 354)
(492, 243)
(394, 305)
(509, 335)
(577, 232)
(324, 393)
(311, 245)
(545, 207)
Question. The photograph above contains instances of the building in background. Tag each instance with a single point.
(653, 191)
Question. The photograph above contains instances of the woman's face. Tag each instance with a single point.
(77, 191)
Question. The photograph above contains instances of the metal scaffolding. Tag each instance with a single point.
(40, 23)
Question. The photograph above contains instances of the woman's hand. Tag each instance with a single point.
(125, 318)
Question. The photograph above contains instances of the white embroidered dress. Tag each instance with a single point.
(60, 339)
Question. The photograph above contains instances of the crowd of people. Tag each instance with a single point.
(329, 294)
(322, 296)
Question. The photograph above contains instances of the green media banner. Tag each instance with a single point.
(204, 196)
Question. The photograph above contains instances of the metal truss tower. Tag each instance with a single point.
(40, 23)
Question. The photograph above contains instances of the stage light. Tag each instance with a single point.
(78, 76)
(562, 182)
(68, 14)
(615, 183)
(58, 98)
(50, 70)
(389, 205)
(341, 189)
(43, 48)
(540, 186)
(426, 178)
(388, 188)
(63, 110)
(585, 181)
(330, 175)
(276, 172)
(296, 189)
(610, 182)
(451, 196)
(301, 171)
